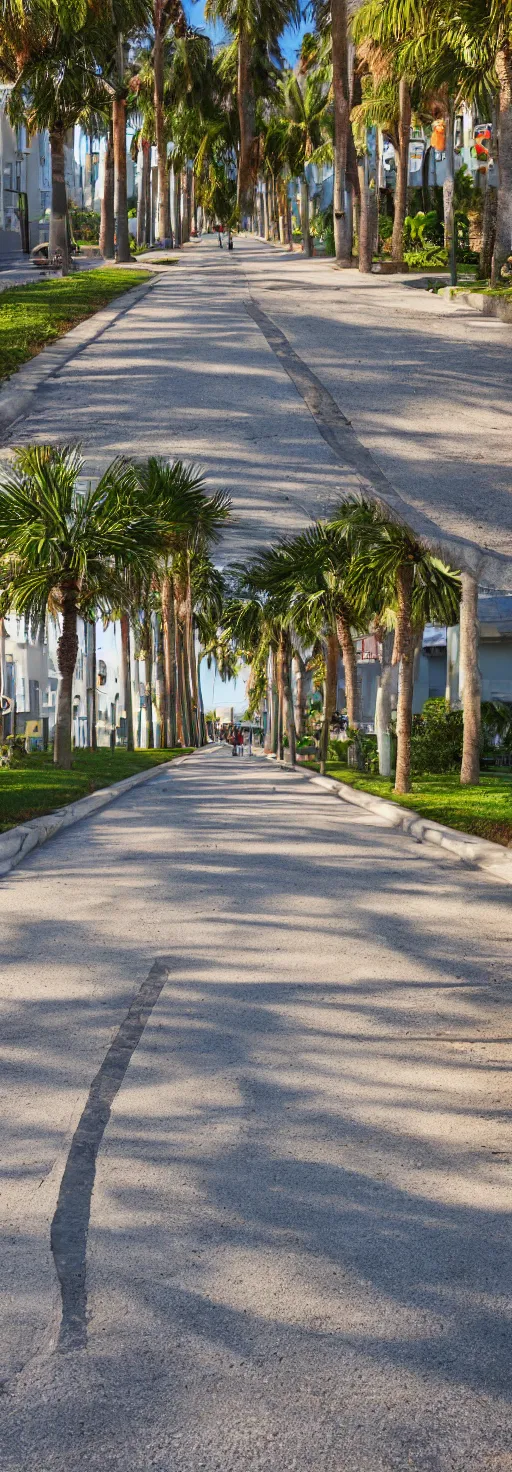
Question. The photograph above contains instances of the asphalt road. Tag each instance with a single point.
(255, 1052)
(189, 371)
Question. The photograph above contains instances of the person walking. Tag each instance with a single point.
(219, 230)
(240, 741)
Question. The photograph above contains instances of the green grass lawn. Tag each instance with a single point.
(34, 315)
(485, 810)
(38, 787)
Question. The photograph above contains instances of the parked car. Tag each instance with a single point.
(39, 255)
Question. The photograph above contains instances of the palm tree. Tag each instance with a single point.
(66, 549)
(389, 564)
(470, 681)
(305, 113)
(309, 577)
(252, 629)
(467, 49)
(190, 524)
(54, 82)
(255, 28)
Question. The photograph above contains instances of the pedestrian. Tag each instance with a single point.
(219, 228)
(240, 741)
(233, 741)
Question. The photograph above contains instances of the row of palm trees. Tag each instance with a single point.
(409, 62)
(307, 598)
(240, 116)
(136, 548)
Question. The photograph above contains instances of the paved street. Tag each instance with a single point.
(280, 1189)
(188, 371)
(255, 1045)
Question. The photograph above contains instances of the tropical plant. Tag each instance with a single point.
(190, 523)
(391, 565)
(255, 29)
(66, 549)
(305, 115)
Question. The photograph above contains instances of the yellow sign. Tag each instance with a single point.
(34, 728)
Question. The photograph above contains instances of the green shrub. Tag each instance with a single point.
(13, 753)
(436, 742)
(430, 257)
(85, 224)
(422, 228)
(337, 751)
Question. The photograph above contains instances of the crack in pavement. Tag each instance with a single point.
(70, 1225)
(491, 569)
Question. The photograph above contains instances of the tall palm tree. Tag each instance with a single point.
(390, 564)
(54, 81)
(191, 522)
(309, 576)
(66, 549)
(466, 48)
(305, 111)
(255, 25)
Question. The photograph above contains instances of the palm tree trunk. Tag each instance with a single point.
(94, 691)
(330, 689)
(341, 100)
(142, 200)
(490, 213)
(107, 203)
(147, 643)
(159, 679)
(126, 679)
(67, 650)
(194, 686)
(120, 196)
(365, 219)
(304, 216)
(404, 650)
(503, 245)
(175, 209)
(58, 244)
(470, 681)
(247, 121)
(164, 228)
(350, 667)
(402, 170)
(169, 636)
(280, 700)
(449, 195)
(184, 713)
(300, 703)
(275, 713)
(288, 699)
(383, 705)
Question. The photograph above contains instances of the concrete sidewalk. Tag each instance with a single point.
(187, 372)
(287, 1244)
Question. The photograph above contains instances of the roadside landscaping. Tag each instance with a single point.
(36, 786)
(32, 316)
(485, 811)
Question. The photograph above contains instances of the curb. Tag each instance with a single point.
(480, 301)
(17, 842)
(17, 394)
(477, 853)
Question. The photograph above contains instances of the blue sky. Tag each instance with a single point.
(289, 43)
